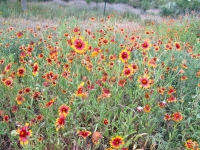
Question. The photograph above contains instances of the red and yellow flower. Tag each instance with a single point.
(84, 133)
(24, 134)
(128, 71)
(144, 81)
(79, 45)
(177, 116)
(117, 142)
(20, 99)
(8, 82)
(146, 45)
(21, 71)
(147, 108)
(64, 109)
(124, 55)
(190, 144)
(79, 91)
(35, 69)
(60, 122)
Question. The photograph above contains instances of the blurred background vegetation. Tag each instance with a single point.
(167, 7)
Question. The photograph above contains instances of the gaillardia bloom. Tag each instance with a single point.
(84, 133)
(64, 109)
(178, 46)
(147, 108)
(8, 82)
(128, 71)
(177, 116)
(117, 142)
(60, 122)
(144, 81)
(79, 45)
(124, 56)
(24, 134)
(21, 71)
(79, 91)
(35, 69)
(19, 34)
(193, 145)
(20, 99)
(146, 45)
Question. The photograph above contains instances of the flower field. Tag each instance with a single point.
(99, 84)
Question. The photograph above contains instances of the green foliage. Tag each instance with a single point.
(10, 9)
(167, 11)
(186, 6)
(121, 1)
(134, 3)
(145, 5)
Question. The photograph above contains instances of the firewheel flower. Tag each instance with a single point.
(84, 133)
(64, 109)
(191, 145)
(146, 45)
(177, 116)
(79, 91)
(128, 71)
(144, 81)
(60, 122)
(24, 134)
(21, 71)
(79, 45)
(8, 82)
(117, 142)
(124, 56)
(35, 69)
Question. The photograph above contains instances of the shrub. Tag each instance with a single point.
(134, 3)
(167, 11)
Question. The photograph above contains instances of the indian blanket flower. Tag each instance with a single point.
(124, 55)
(105, 121)
(121, 82)
(167, 117)
(84, 133)
(21, 71)
(128, 71)
(193, 145)
(171, 90)
(178, 46)
(117, 142)
(35, 69)
(147, 108)
(177, 116)
(27, 90)
(79, 45)
(8, 82)
(79, 91)
(64, 109)
(8, 67)
(6, 118)
(24, 134)
(60, 122)
(19, 34)
(105, 93)
(171, 99)
(50, 103)
(20, 99)
(146, 45)
(144, 81)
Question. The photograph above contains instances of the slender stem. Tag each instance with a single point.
(105, 8)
